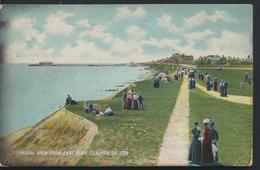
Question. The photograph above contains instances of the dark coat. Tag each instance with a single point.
(195, 147)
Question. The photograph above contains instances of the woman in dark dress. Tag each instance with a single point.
(124, 99)
(195, 147)
(206, 154)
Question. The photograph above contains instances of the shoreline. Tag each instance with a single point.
(146, 77)
(20, 131)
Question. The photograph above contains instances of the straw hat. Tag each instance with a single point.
(207, 120)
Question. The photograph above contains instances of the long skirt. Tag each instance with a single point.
(124, 104)
(128, 104)
(134, 105)
(208, 85)
(195, 152)
(206, 155)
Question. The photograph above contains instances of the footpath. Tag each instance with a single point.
(175, 146)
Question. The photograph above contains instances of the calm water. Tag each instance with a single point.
(28, 94)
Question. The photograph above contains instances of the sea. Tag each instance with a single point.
(30, 93)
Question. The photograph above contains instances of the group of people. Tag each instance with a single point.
(203, 150)
(94, 109)
(131, 100)
(160, 77)
(222, 86)
(69, 101)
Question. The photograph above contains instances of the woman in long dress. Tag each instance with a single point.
(124, 100)
(135, 101)
(129, 100)
(206, 154)
(195, 147)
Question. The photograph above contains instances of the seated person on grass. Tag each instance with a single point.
(108, 112)
(69, 101)
(95, 109)
(88, 107)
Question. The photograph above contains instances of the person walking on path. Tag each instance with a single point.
(225, 87)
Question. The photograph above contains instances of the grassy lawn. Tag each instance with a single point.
(140, 133)
(166, 68)
(234, 123)
(233, 76)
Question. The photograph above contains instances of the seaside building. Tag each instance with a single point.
(177, 58)
(181, 58)
(213, 59)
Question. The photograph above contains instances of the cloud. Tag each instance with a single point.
(85, 48)
(84, 52)
(165, 21)
(20, 52)
(199, 35)
(231, 43)
(83, 23)
(98, 31)
(56, 23)
(161, 43)
(26, 26)
(123, 12)
(135, 32)
(202, 17)
(126, 47)
(22, 23)
(88, 52)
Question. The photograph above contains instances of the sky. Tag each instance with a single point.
(123, 33)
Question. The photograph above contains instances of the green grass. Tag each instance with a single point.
(234, 122)
(234, 78)
(166, 68)
(138, 132)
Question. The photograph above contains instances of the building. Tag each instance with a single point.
(181, 58)
(213, 59)
(177, 58)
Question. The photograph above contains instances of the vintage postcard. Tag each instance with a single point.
(126, 85)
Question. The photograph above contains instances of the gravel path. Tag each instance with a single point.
(174, 149)
(231, 98)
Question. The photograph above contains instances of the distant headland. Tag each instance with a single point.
(83, 64)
